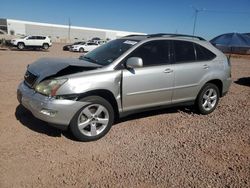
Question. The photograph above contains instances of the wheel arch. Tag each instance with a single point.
(218, 83)
(20, 42)
(106, 94)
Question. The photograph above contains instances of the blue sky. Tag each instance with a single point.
(158, 16)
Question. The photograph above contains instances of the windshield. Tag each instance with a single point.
(107, 53)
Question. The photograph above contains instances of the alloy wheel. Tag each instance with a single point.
(93, 120)
(209, 99)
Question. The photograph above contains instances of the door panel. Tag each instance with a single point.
(29, 41)
(192, 65)
(147, 87)
(187, 80)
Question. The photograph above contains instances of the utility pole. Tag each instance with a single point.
(196, 12)
(69, 30)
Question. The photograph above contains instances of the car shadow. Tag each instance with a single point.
(245, 81)
(29, 50)
(27, 119)
(149, 113)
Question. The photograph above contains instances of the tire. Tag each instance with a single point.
(208, 98)
(20, 46)
(45, 46)
(92, 121)
(81, 50)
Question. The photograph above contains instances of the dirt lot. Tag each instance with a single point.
(166, 148)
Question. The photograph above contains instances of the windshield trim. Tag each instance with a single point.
(108, 53)
(89, 59)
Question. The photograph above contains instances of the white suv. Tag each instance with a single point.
(32, 42)
(84, 47)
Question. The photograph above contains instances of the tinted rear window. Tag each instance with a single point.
(203, 54)
(184, 51)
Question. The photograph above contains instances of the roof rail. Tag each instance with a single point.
(133, 36)
(173, 35)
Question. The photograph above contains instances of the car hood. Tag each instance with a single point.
(54, 67)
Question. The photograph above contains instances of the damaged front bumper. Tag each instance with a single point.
(55, 111)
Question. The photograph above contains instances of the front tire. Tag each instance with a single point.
(81, 50)
(20, 46)
(208, 98)
(94, 120)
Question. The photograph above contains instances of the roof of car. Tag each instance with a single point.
(163, 35)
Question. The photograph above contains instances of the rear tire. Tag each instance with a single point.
(20, 46)
(208, 98)
(94, 120)
(45, 46)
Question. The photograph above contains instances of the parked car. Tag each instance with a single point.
(95, 39)
(85, 47)
(124, 76)
(100, 42)
(68, 46)
(32, 42)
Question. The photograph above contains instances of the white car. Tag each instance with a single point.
(84, 47)
(32, 42)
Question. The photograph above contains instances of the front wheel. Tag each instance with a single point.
(20, 46)
(208, 98)
(94, 120)
(81, 50)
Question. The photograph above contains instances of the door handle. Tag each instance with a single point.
(205, 66)
(168, 70)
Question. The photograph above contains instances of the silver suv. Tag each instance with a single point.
(124, 76)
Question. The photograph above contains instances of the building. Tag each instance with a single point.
(58, 33)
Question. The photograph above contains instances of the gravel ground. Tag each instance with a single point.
(165, 148)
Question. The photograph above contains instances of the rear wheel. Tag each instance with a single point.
(20, 46)
(94, 120)
(208, 98)
(45, 46)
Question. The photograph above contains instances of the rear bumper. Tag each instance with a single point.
(54, 111)
(226, 86)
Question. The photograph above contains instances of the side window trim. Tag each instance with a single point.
(151, 65)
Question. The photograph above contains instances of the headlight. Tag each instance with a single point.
(49, 87)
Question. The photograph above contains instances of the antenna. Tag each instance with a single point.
(69, 30)
(196, 12)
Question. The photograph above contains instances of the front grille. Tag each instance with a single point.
(30, 78)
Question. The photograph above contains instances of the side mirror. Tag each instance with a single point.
(134, 62)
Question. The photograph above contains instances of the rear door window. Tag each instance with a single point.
(184, 51)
